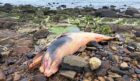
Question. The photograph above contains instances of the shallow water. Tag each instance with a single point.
(77, 3)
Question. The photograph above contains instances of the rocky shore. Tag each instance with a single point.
(26, 30)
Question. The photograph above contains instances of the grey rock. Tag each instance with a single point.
(131, 11)
(68, 74)
(75, 63)
(137, 70)
(39, 77)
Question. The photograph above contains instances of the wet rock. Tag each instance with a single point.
(95, 63)
(137, 70)
(75, 63)
(68, 74)
(41, 34)
(131, 46)
(39, 77)
(17, 76)
(102, 71)
(101, 79)
(124, 65)
(30, 55)
(131, 11)
(2, 76)
(117, 70)
(105, 13)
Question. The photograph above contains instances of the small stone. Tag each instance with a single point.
(131, 47)
(135, 62)
(134, 75)
(113, 75)
(11, 61)
(113, 48)
(25, 79)
(17, 76)
(102, 71)
(138, 75)
(110, 79)
(75, 63)
(135, 55)
(124, 65)
(126, 59)
(114, 58)
(126, 78)
(118, 71)
(95, 80)
(9, 78)
(87, 74)
(101, 79)
(68, 74)
(30, 55)
(2, 76)
(39, 77)
(95, 63)
(41, 34)
(137, 70)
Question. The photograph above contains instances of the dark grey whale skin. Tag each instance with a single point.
(55, 45)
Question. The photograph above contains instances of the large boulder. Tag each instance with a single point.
(131, 11)
(106, 13)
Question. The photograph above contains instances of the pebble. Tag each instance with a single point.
(118, 71)
(137, 70)
(134, 75)
(30, 55)
(41, 34)
(17, 76)
(126, 59)
(113, 58)
(101, 78)
(95, 63)
(68, 74)
(2, 76)
(110, 79)
(113, 75)
(39, 77)
(25, 79)
(113, 48)
(102, 71)
(131, 47)
(138, 75)
(135, 55)
(126, 78)
(9, 78)
(124, 65)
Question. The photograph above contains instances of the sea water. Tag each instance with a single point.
(77, 3)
